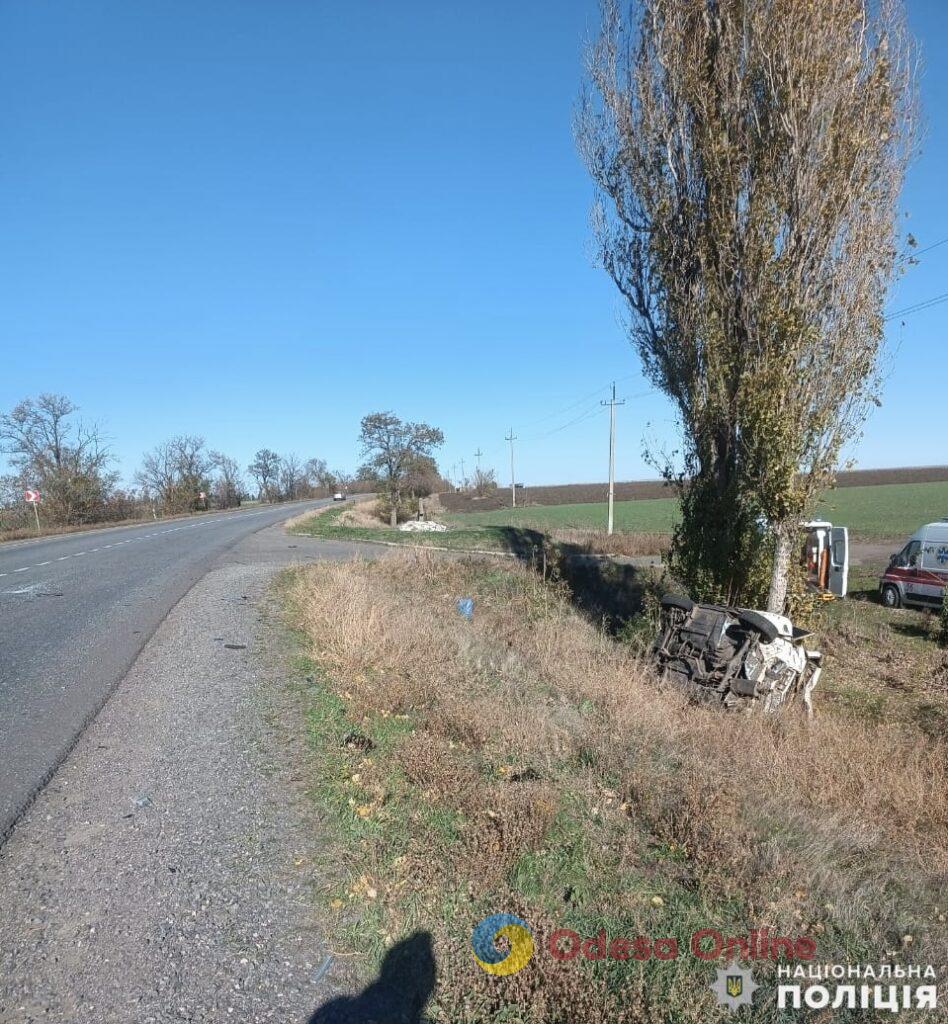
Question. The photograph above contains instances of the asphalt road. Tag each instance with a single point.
(75, 611)
(166, 872)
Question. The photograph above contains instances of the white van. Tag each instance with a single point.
(918, 574)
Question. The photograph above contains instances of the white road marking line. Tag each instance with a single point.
(106, 547)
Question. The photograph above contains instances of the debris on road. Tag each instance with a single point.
(736, 656)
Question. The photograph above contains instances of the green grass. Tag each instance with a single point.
(889, 511)
(463, 538)
(886, 510)
(653, 515)
(592, 868)
(577, 856)
(883, 511)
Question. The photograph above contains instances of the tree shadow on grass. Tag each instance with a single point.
(916, 630)
(399, 994)
(606, 591)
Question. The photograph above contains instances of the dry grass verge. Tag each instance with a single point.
(365, 513)
(598, 542)
(523, 761)
(29, 533)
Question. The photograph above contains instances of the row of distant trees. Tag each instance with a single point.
(50, 449)
(72, 465)
(175, 473)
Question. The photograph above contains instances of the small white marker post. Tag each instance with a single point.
(33, 498)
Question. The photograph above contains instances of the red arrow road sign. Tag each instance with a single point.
(31, 496)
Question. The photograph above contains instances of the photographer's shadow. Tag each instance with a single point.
(399, 994)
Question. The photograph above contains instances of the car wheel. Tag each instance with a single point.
(891, 597)
(763, 625)
(677, 601)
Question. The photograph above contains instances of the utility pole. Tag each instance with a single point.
(612, 403)
(462, 472)
(513, 486)
(478, 480)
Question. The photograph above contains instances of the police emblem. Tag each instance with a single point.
(734, 986)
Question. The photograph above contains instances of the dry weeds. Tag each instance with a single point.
(364, 514)
(836, 826)
(598, 542)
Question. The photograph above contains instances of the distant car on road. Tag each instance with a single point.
(338, 496)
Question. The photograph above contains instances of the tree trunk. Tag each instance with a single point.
(777, 598)
(393, 515)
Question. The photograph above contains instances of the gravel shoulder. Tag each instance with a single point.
(165, 872)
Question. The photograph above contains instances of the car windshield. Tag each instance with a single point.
(908, 556)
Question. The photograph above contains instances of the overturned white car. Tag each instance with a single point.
(740, 658)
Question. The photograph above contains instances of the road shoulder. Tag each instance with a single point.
(165, 873)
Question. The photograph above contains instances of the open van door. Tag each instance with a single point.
(839, 561)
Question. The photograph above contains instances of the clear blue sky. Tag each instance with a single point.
(258, 221)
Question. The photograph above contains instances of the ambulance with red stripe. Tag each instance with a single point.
(918, 574)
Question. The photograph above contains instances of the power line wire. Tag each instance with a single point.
(918, 307)
(918, 252)
(585, 415)
(572, 405)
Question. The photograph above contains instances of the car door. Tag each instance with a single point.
(839, 561)
(908, 568)
(933, 567)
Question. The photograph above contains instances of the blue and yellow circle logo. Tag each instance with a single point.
(515, 931)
